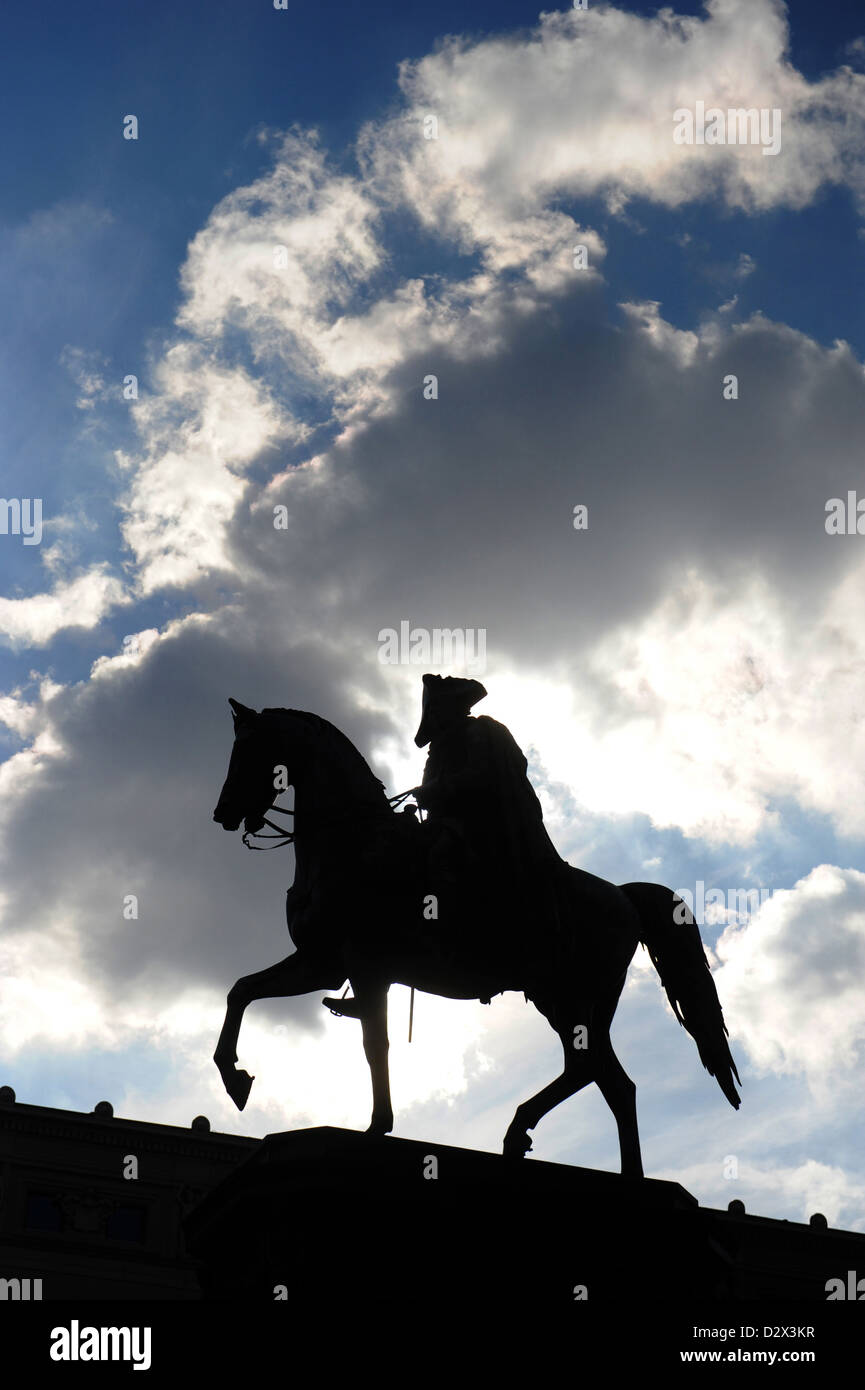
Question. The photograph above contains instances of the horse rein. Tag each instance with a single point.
(287, 837)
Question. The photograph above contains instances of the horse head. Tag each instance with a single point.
(248, 791)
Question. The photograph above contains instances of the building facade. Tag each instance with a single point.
(92, 1205)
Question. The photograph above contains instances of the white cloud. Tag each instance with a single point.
(204, 425)
(87, 371)
(791, 979)
(81, 602)
(796, 1190)
(716, 705)
(584, 105)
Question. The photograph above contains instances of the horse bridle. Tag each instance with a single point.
(287, 837)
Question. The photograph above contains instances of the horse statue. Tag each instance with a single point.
(354, 914)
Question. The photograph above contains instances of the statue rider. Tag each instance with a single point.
(489, 854)
(489, 860)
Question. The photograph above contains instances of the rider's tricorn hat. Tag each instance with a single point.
(445, 695)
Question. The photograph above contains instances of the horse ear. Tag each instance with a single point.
(242, 713)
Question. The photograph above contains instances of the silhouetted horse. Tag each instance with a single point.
(354, 913)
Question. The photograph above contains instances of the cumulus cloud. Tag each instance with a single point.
(585, 104)
(792, 978)
(203, 425)
(297, 259)
(82, 602)
(790, 1191)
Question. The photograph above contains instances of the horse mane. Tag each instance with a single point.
(337, 741)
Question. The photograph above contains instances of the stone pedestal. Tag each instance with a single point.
(337, 1218)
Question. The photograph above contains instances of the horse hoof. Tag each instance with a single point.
(380, 1127)
(516, 1145)
(238, 1084)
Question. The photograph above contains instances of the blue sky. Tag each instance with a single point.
(685, 675)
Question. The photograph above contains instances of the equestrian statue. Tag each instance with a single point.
(460, 893)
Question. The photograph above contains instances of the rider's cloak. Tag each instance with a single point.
(475, 785)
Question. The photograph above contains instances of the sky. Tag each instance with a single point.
(237, 243)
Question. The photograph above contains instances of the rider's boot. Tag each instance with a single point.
(345, 1008)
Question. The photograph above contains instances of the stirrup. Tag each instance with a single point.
(338, 1009)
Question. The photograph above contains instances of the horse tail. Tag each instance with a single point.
(670, 934)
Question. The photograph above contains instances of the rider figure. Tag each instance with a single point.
(489, 860)
(488, 844)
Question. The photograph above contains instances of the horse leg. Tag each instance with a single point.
(578, 1072)
(620, 1093)
(294, 975)
(372, 1004)
(615, 1085)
